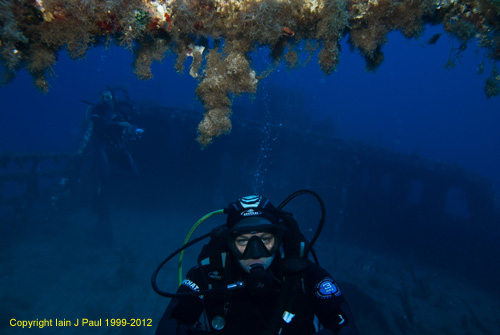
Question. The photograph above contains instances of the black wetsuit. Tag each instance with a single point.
(106, 119)
(315, 294)
(110, 134)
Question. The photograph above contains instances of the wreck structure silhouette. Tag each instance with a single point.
(356, 171)
(219, 35)
(440, 215)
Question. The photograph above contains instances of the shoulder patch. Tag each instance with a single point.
(326, 289)
(215, 275)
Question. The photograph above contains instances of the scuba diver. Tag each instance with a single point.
(111, 130)
(104, 143)
(253, 277)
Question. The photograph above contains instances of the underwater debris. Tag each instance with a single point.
(492, 86)
(455, 56)
(33, 32)
(434, 39)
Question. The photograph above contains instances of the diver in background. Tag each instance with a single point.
(111, 130)
(274, 288)
(108, 134)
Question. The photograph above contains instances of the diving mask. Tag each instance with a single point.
(254, 238)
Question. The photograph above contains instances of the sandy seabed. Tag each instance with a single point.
(71, 269)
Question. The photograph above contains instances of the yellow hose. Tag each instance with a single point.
(188, 236)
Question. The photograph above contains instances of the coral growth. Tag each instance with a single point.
(148, 52)
(34, 31)
(372, 20)
(225, 76)
(40, 59)
(10, 37)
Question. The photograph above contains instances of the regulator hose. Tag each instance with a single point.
(237, 285)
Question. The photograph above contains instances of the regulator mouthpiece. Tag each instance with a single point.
(259, 280)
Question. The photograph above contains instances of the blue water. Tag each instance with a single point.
(411, 104)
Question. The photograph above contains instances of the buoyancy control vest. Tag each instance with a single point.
(220, 269)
